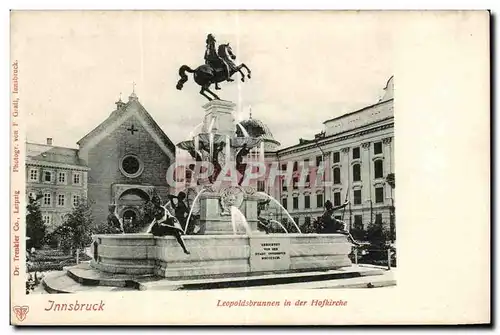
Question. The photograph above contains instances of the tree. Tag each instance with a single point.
(76, 231)
(376, 234)
(35, 227)
(358, 232)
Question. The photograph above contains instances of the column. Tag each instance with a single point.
(387, 164)
(344, 173)
(365, 171)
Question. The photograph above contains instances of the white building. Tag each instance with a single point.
(357, 149)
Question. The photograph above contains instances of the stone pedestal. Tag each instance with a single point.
(215, 215)
(219, 114)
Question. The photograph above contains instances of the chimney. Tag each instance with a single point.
(49, 140)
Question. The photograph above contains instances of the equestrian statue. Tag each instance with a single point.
(218, 67)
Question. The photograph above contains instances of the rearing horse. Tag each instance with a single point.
(205, 75)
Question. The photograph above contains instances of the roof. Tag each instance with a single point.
(388, 96)
(116, 114)
(257, 129)
(53, 154)
(357, 111)
(320, 141)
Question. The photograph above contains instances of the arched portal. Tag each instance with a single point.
(131, 204)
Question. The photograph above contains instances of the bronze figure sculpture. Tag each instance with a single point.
(218, 67)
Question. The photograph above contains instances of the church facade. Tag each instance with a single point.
(123, 162)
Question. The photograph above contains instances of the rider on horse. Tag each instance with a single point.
(213, 59)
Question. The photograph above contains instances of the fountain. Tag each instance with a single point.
(282, 208)
(229, 247)
(280, 224)
(238, 218)
(230, 243)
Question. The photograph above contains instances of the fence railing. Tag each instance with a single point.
(389, 252)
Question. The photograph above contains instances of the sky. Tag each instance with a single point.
(307, 67)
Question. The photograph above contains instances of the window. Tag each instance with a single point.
(261, 186)
(32, 195)
(61, 177)
(76, 199)
(319, 200)
(306, 170)
(295, 178)
(357, 197)
(46, 219)
(47, 176)
(33, 175)
(336, 199)
(295, 202)
(319, 159)
(76, 179)
(379, 194)
(358, 221)
(355, 153)
(379, 168)
(336, 157)
(307, 201)
(296, 219)
(60, 200)
(356, 172)
(47, 199)
(377, 148)
(284, 203)
(283, 185)
(336, 175)
(378, 218)
(131, 166)
(188, 174)
(283, 167)
(307, 220)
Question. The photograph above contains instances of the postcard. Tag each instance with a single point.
(239, 167)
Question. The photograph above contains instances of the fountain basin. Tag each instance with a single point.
(219, 255)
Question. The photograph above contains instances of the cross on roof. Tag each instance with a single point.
(132, 129)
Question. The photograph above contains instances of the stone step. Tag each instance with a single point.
(83, 278)
(375, 281)
(269, 280)
(87, 276)
(59, 282)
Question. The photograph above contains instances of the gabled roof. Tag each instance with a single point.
(123, 112)
(52, 154)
